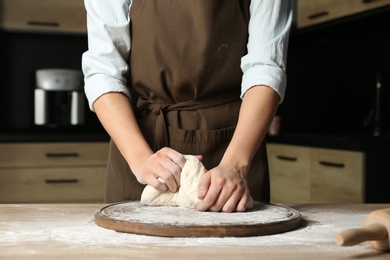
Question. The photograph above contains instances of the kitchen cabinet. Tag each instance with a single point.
(336, 176)
(315, 175)
(52, 172)
(43, 16)
(309, 12)
(289, 173)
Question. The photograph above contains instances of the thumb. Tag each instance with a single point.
(199, 157)
(204, 185)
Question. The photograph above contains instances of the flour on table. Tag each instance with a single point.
(134, 212)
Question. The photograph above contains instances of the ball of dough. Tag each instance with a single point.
(189, 182)
(151, 196)
(187, 195)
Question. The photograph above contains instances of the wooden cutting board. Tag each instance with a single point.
(133, 217)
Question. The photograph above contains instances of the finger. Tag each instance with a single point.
(227, 200)
(241, 205)
(204, 185)
(158, 184)
(175, 156)
(210, 198)
(174, 164)
(199, 157)
(168, 178)
(171, 173)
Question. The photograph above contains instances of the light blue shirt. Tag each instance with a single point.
(106, 66)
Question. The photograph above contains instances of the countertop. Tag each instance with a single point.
(68, 231)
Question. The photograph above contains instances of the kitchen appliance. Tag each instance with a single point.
(59, 98)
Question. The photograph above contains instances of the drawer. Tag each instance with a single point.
(311, 12)
(44, 15)
(53, 154)
(289, 173)
(337, 176)
(52, 185)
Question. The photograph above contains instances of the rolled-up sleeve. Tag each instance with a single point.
(105, 63)
(265, 62)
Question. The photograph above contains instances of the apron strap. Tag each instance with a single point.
(159, 110)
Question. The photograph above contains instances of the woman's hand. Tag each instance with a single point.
(162, 170)
(223, 188)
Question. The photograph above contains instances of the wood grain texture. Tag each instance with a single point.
(133, 217)
(53, 185)
(44, 16)
(67, 231)
(17, 155)
(336, 176)
(311, 12)
(53, 172)
(315, 175)
(289, 168)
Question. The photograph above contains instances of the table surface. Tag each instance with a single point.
(66, 231)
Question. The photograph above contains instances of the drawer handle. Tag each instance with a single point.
(367, 1)
(56, 155)
(48, 24)
(331, 164)
(286, 158)
(61, 181)
(318, 15)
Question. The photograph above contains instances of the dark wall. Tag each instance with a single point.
(332, 71)
(332, 74)
(21, 55)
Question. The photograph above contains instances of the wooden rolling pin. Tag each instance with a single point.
(376, 231)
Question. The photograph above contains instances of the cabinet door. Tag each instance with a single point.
(53, 154)
(337, 176)
(44, 15)
(311, 12)
(289, 173)
(52, 185)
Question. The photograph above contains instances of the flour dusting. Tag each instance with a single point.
(75, 227)
(135, 212)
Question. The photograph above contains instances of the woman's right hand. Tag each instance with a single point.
(115, 112)
(161, 170)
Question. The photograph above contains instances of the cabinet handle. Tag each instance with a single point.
(318, 15)
(53, 155)
(367, 1)
(332, 164)
(286, 158)
(46, 24)
(61, 181)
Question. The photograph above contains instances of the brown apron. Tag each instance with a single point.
(186, 80)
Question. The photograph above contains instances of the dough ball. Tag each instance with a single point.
(186, 196)
(189, 182)
(151, 196)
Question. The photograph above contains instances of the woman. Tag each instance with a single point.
(202, 77)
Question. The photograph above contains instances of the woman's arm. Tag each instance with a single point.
(105, 66)
(225, 186)
(116, 114)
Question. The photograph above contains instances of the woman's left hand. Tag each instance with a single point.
(223, 188)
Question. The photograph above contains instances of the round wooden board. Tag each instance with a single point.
(133, 217)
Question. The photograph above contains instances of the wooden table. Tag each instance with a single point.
(68, 231)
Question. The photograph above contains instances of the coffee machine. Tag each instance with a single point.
(59, 98)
